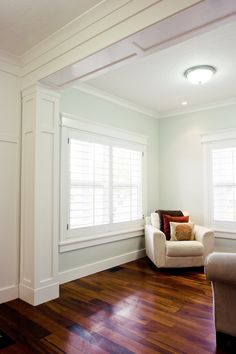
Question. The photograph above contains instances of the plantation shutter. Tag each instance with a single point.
(89, 184)
(224, 184)
(126, 184)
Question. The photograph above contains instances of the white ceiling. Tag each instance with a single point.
(157, 82)
(24, 23)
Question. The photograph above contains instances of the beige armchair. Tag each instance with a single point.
(220, 269)
(178, 254)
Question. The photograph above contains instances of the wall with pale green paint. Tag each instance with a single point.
(181, 160)
(105, 112)
(101, 111)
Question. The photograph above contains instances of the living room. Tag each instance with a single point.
(143, 101)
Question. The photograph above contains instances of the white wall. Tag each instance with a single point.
(9, 185)
(181, 160)
(99, 110)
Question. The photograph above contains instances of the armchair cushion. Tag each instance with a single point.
(184, 248)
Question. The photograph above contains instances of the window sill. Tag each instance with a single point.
(229, 234)
(72, 244)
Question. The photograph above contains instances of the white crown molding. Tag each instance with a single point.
(115, 99)
(198, 108)
(9, 63)
(99, 28)
(90, 25)
(79, 24)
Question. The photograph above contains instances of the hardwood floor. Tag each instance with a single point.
(135, 308)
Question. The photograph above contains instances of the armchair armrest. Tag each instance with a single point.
(220, 267)
(206, 237)
(155, 242)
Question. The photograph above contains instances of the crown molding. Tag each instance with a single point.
(115, 99)
(9, 63)
(107, 23)
(89, 24)
(149, 112)
(197, 108)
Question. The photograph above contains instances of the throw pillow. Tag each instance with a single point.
(182, 231)
(167, 219)
(167, 212)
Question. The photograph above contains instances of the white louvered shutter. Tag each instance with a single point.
(89, 184)
(224, 184)
(126, 185)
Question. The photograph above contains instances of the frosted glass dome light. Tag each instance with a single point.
(200, 74)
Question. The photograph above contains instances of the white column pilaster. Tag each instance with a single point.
(39, 195)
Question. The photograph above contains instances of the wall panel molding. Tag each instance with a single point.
(40, 195)
(8, 139)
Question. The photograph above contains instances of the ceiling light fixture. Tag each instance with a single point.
(200, 74)
(184, 103)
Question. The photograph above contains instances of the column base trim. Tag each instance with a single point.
(36, 297)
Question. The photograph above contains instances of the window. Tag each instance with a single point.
(220, 172)
(224, 184)
(102, 181)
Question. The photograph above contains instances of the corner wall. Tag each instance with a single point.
(9, 185)
(95, 109)
(181, 178)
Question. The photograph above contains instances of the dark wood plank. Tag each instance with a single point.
(134, 308)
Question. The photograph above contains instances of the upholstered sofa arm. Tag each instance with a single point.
(155, 242)
(206, 237)
(220, 267)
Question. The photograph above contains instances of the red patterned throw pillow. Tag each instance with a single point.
(168, 218)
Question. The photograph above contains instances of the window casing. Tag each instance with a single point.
(102, 183)
(220, 182)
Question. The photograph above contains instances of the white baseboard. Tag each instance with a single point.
(38, 296)
(92, 268)
(9, 293)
